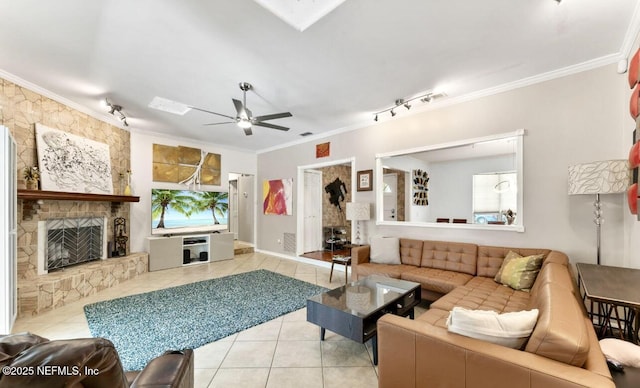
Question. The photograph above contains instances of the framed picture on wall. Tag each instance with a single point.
(365, 180)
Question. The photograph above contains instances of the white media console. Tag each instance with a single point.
(188, 249)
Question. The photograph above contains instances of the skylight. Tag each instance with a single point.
(300, 14)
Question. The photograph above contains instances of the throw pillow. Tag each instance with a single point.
(508, 329)
(519, 272)
(385, 250)
(626, 353)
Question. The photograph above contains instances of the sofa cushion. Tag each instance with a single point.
(482, 293)
(390, 270)
(555, 273)
(490, 258)
(436, 279)
(508, 329)
(519, 272)
(561, 333)
(410, 251)
(385, 250)
(452, 256)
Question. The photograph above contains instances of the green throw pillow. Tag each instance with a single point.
(519, 272)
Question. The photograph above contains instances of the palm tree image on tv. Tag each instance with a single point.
(216, 202)
(185, 208)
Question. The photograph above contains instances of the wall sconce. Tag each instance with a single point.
(406, 103)
(116, 110)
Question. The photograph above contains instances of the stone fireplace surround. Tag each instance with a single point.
(21, 110)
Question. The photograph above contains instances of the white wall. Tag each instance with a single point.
(142, 177)
(573, 119)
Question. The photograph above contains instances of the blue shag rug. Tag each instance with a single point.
(146, 325)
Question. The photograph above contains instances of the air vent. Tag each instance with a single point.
(289, 240)
(306, 134)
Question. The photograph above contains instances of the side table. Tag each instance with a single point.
(612, 288)
(343, 260)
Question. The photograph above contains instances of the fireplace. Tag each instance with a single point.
(64, 242)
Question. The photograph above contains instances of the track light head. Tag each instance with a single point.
(407, 105)
(375, 118)
(392, 113)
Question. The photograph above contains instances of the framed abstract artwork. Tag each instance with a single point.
(71, 163)
(277, 197)
(323, 150)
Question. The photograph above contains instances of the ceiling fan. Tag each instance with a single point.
(244, 119)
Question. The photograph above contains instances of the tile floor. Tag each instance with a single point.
(284, 352)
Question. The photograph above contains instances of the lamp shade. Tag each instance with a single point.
(603, 177)
(358, 211)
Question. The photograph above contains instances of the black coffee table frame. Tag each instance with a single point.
(356, 320)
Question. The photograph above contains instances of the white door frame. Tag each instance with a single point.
(300, 189)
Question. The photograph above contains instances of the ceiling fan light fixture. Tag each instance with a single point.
(244, 123)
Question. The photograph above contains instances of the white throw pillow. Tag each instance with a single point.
(626, 353)
(507, 329)
(385, 250)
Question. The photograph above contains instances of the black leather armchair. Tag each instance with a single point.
(28, 360)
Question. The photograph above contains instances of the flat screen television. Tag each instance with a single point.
(188, 211)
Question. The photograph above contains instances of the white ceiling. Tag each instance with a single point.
(356, 60)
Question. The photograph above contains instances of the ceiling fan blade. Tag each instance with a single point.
(267, 125)
(273, 116)
(242, 113)
(215, 113)
(247, 131)
(225, 122)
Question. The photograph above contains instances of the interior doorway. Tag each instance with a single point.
(241, 209)
(317, 216)
(390, 192)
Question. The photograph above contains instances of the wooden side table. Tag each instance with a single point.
(343, 260)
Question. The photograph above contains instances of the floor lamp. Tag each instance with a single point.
(602, 177)
(358, 211)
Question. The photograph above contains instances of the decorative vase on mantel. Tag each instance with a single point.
(127, 189)
(31, 177)
(31, 184)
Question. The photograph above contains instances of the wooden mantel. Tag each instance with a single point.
(31, 198)
(35, 195)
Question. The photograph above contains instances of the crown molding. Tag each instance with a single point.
(445, 102)
(71, 104)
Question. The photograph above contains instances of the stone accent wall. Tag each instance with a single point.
(20, 110)
(54, 290)
(331, 216)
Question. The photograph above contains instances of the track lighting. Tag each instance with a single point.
(428, 97)
(115, 110)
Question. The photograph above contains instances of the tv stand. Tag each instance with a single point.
(173, 251)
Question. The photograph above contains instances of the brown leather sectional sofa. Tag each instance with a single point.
(31, 361)
(562, 351)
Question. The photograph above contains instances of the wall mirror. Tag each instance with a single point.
(473, 183)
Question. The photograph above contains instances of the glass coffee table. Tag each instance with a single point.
(354, 309)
